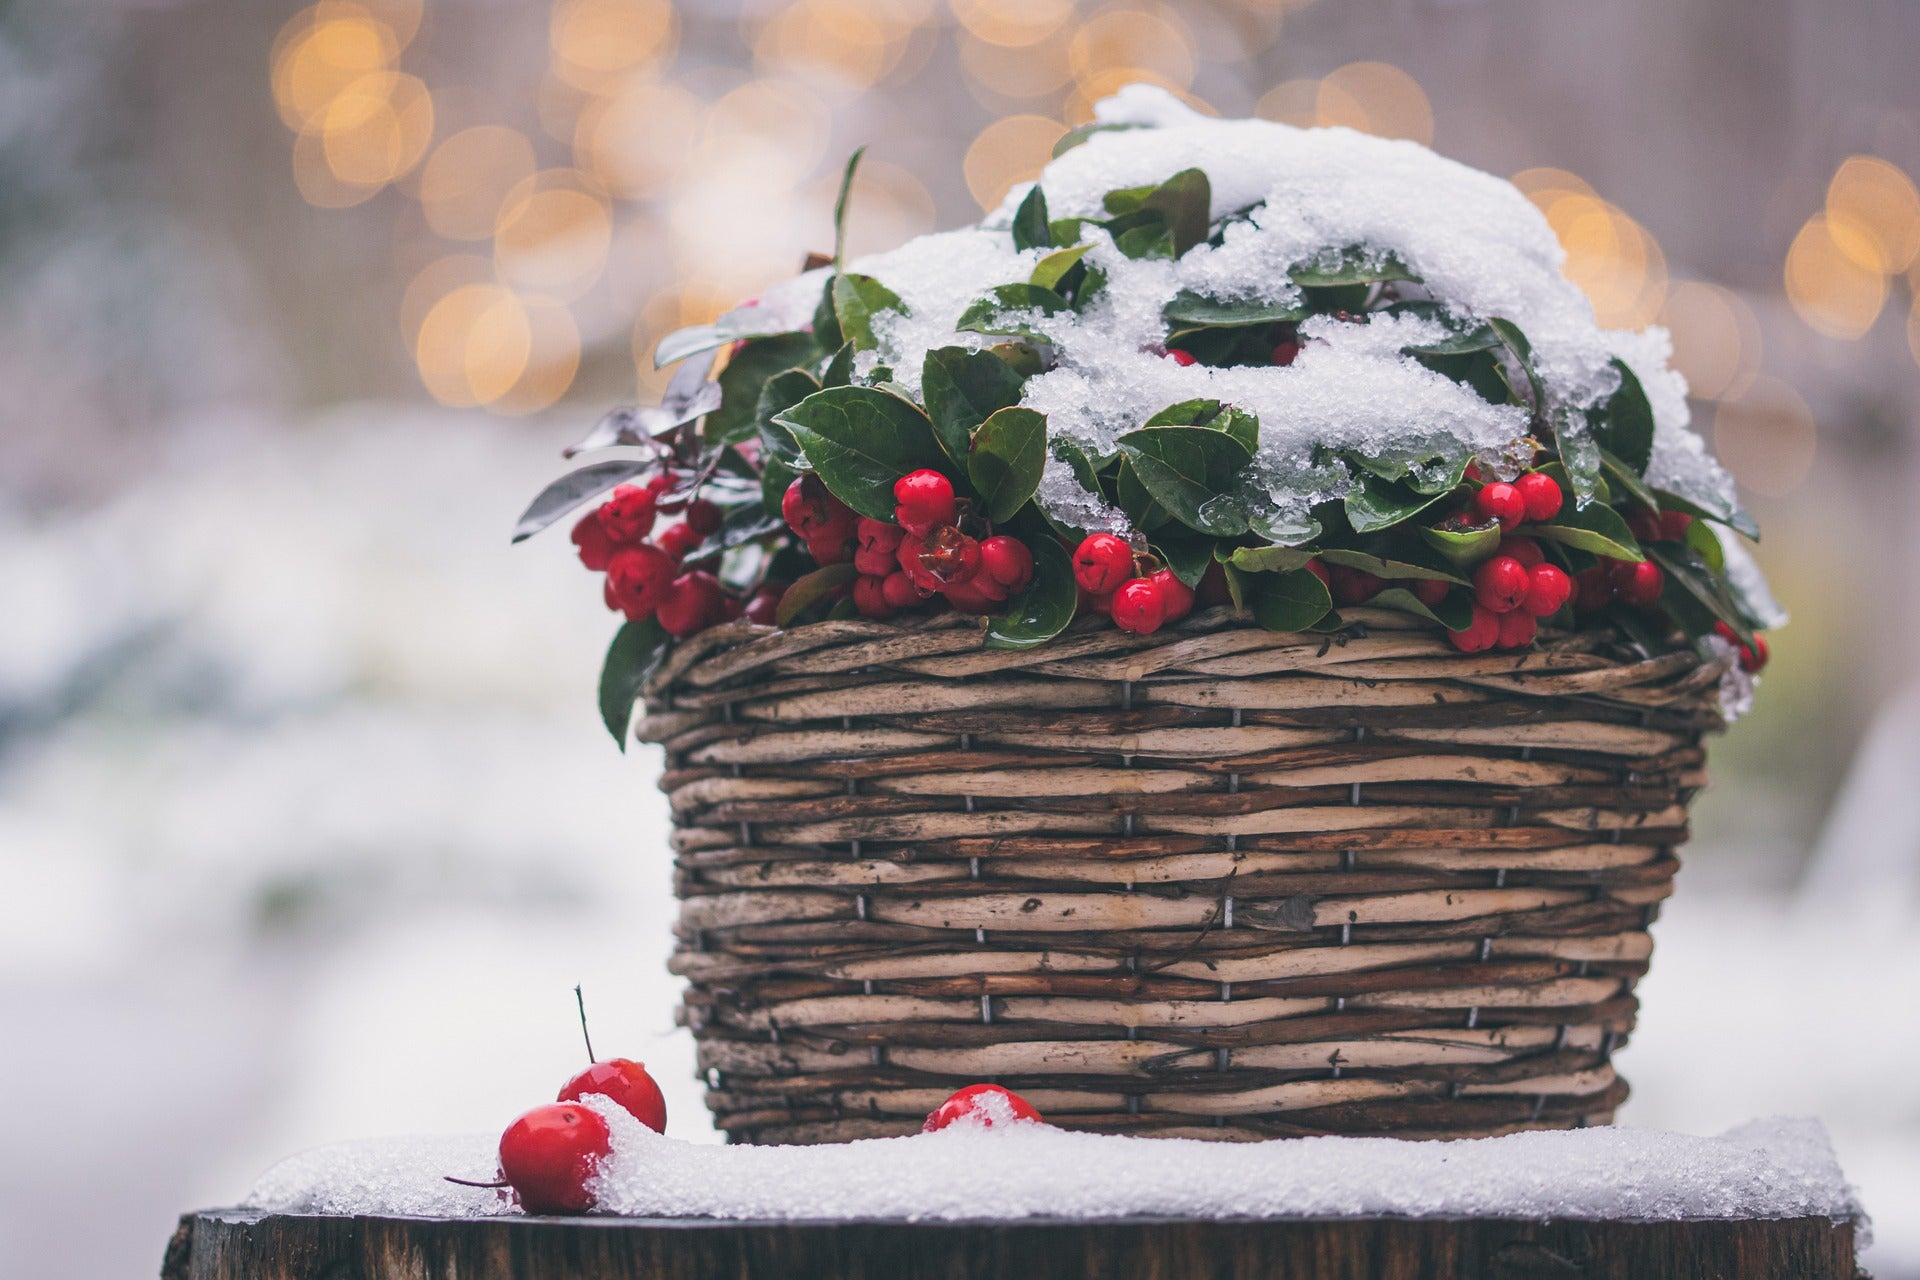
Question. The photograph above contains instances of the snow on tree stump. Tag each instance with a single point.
(236, 1244)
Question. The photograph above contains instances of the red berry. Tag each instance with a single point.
(978, 595)
(627, 1083)
(637, 580)
(879, 546)
(1516, 629)
(1500, 583)
(1752, 656)
(1541, 494)
(1177, 594)
(1481, 634)
(833, 546)
(628, 515)
(691, 604)
(679, 540)
(925, 499)
(1548, 588)
(1090, 602)
(1139, 606)
(1502, 502)
(1638, 584)
(807, 506)
(765, 604)
(1352, 586)
(1213, 590)
(1285, 353)
(898, 590)
(1319, 570)
(869, 597)
(1007, 561)
(704, 517)
(594, 542)
(1428, 591)
(1674, 525)
(1179, 357)
(660, 483)
(984, 1105)
(1645, 524)
(1593, 590)
(550, 1154)
(942, 557)
(1101, 563)
(1525, 550)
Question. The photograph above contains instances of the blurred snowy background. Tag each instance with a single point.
(306, 819)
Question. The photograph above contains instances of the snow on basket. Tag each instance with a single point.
(1222, 647)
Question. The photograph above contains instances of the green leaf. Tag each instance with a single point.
(811, 590)
(1268, 559)
(989, 314)
(1214, 416)
(1465, 545)
(1150, 239)
(826, 325)
(1138, 505)
(1387, 567)
(1465, 335)
(840, 208)
(744, 377)
(1352, 265)
(856, 299)
(1030, 226)
(1627, 479)
(741, 322)
(860, 441)
(1706, 544)
(1597, 528)
(1044, 609)
(635, 650)
(963, 389)
(1080, 133)
(839, 370)
(1185, 200)
(1579, 453)
(1477, 371)
(1190, 471)
(1624, 424)
(1380, 504)
(1734, 517)
(1695, 596)
(1189, 309)
(1006, 457)
(1455, 613)
(1283, 529)
(1188, 558)
(1287, 601)
(1050, 270)
(781, 461)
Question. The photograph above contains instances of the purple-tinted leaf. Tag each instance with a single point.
(574, 488)
(689, 395)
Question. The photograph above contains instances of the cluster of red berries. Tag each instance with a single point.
(647, 577)
(1106, 569)
(924, 554)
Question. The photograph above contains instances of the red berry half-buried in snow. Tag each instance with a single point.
(1752, 656)
(923, 499)
(1501, 501)
(1101, 563)
(1139, 606)
(551, 1153)
(1499, 584)
(984, 1105)
(1541, 494)
(628, 1083)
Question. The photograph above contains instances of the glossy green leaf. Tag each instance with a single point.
(1287, 601)
(996, 314)
(1349, 266)
(839, 370)
(1597, 528)
(1377, 504)
(744, 377)
(840, 208)
(1135, 502)
(1268, 559)
(1579, 454)
(1189, 309)
(1189, 558)
(963, 389)
(1623, 425)
(1030, 225)
(1052, 269)
(1455, 612)
(1150, 239)
(1191, 471)
(1044, 609)
(1185, 200)
(635, 650)
(860, 441)
(1695, 596)
(856, 300)
(810, 591)
(1005, 460)
(1465, 334)
(1463, 545)
(1706, 544)
(1080, 133)
(781, 461)
(1734, 517)
(1391, 567)
(1629, 481)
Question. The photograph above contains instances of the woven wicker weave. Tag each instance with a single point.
(1214, 882)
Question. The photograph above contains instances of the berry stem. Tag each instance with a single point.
(581, 1001)
(468, 1182)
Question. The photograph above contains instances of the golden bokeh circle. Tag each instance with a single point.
(1012, 149)
(468, 176)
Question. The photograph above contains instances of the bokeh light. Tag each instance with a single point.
(1009, 150)
(838, 46)
(1835, 277)
(1766, 437)
(1616, 262)
(376, 129)
(320, 52)
(468, 176)
(552, 234)
(1716, 339)
(1019, 71)
(1877, 201)
(635, 139)
(474, 344)
(1012, 23)
(1122, 46)
(1376, 98)
(595, 42)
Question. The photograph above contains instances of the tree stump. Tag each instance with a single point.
(236, 1244)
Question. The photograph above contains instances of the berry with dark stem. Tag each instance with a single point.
(628, 515)
(623, 1080)
(551, 1153)
(637, 580)
(870, 598)
(1007, 561)
(878, 546)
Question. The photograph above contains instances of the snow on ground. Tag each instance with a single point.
(308, 827)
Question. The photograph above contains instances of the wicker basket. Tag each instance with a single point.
(1215, 882)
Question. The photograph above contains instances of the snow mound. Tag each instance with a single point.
(1765, 1169)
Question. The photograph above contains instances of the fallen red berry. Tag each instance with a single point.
(984, 1105)
(1525, 550)
(869, 596)
(1139, 606)
(1500, 583)
(550, 1154)
(704, 517)
(1428, 591)
(1541, 494)
(628, 515)
(1593, 590)
(1007, 561)
(1479, 635)
(924, 499)
(594, 542)
(1352, 586)
(1548, 588)
(679, 540)
(1101, 563)
(691, 604)
(1516, 629)
(1500, 501)
(1285, 353)
(1637, 584)
(1674, 526)
(628, 1084)
(1178, 597)
(637, 580)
